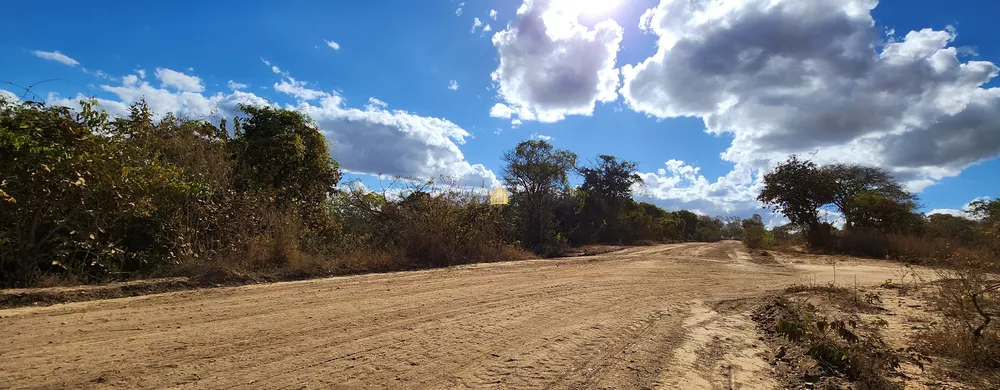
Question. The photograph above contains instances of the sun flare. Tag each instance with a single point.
(592, 7)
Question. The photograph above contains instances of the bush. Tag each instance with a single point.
(969, 297)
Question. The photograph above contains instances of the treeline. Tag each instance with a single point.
(87, 198)
(880, 217)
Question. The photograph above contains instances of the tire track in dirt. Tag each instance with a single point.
(635, 318)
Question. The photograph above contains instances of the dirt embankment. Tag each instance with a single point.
(669, 316)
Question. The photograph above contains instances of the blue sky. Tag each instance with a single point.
(703, 95)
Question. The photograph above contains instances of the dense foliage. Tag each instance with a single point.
(88, 198)
(880, 217)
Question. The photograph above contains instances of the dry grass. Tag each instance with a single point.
(968, 297)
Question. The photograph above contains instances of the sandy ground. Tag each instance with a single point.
(669, 316)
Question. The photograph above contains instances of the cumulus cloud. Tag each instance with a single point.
(185, 104)
(965, 212)
(493, 14)
(952, 212)
(542, 137)
(376, 140)
(684, 184)
(458, 12)
(141, 73)
(9, 96)
(298, 89)
(453, 85)
(333, 45)
(817, 78)
(113, 107)
(236, 86)
(476, 23)
(552, 66)
(177, 80)
(55, 56)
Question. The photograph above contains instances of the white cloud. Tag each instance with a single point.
(965, 212)
(113, 107)
(453, 85)
(458, 12)
(55, 56)
(815, 78)
(952, 212)
(475, 24)
(501, 110)
(141, 73)
(9, 96)
(333, 45)
(487, 28)
(493, 14)
(376, 140)
(99, 73)
(551, 66)
(236, 86)
(274, 68)
(180, 81)
(130, 80)
(684, 184)
(298, 89)
(541, 137)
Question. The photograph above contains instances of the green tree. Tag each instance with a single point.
(536, 174)
(689, 225)
(987, 211)
(754, 232)
(733, 229)
(853, 180)
(872, 210)
(608, 190)
(798, 188)
(283, 151)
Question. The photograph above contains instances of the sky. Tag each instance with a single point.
(705, 95)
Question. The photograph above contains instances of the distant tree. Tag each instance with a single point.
(798, 188)
(951, 227)
(872, 210)
(988, 213)
(709, 229)
(608, 191)
(689, 225)
(754, 232)
(733, 229)
(535, 174)
(853, 180)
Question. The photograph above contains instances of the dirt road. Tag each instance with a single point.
(670, 316)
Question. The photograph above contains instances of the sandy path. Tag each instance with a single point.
(670, 316)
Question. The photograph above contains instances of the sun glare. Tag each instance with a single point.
(592, 7)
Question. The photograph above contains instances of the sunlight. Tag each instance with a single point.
(592, 7)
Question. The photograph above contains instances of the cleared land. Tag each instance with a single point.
(669, 316)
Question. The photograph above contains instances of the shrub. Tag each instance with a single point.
(969, 297)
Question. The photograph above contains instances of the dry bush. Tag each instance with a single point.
(838, 343)
(969, 298)
(910, 248)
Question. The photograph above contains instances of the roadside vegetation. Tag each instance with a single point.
(88, 198)
(880, 221)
